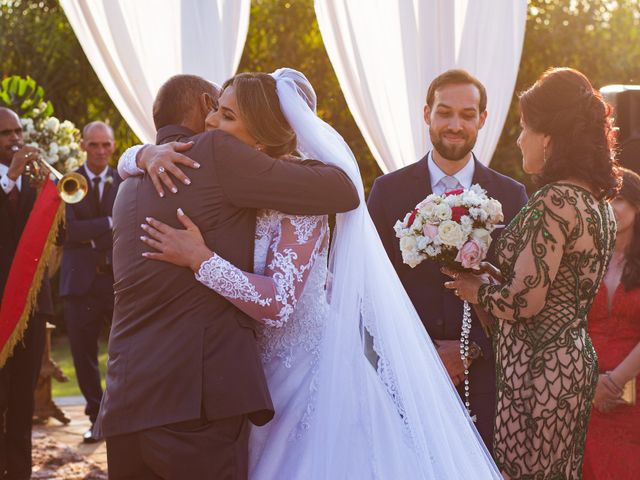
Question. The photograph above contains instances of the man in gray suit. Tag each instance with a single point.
(184, 377)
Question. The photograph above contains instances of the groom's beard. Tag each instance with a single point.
(452, 152)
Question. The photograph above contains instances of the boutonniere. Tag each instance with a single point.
(108, 180)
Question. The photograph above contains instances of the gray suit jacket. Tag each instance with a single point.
(177, 349)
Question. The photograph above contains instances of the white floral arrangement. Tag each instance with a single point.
(453, 229)
(59, 142)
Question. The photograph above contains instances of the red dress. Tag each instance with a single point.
(613, 439)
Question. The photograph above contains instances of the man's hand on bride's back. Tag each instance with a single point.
(160, 162)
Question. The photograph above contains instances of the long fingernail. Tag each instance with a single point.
(142, 237)
(174, 190)
(143, 226)
(187, 181)
(148, 219)
(180, 212)
(144, 254)
(161, 194)
(196, 165)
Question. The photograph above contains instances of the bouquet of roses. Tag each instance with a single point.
(59, 142)
(453, 229)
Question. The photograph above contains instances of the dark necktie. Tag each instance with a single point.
(96, 192)
(14, 199)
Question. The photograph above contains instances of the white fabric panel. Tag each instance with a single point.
(135, 46)
(385, 54)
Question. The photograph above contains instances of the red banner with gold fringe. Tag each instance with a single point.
(28, 267)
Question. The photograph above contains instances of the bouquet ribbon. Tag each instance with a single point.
(28, 267)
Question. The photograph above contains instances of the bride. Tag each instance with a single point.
(358, 388)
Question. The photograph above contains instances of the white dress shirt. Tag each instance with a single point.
(464, 176)
(6, 183)
(102, 175)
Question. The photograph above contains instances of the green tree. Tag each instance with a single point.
(601, 38)
(286, 34)
(36, 40)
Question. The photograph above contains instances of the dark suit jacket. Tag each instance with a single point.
(84, 224)
(391, 197)
(177, 348)
(11, 227)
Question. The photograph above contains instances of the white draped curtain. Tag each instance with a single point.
(386, 52)
(134, 46)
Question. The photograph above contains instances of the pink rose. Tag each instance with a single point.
(430, 231)
(471, 254)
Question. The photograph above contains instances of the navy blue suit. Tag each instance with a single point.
(391, 197)
(19, 375)
(86, 283)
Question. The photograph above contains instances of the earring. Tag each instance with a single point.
(259, 147)
(544, 153)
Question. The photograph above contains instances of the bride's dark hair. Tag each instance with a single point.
(259, 106)
(564, 105)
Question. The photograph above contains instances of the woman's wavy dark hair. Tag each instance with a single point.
(564, 105)
(630, 191)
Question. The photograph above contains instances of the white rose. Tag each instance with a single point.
(64, 150)
(408, 243)
(52, 124)
(482, 234)
(399, 228)
(451, 234)
(427, 209)
(412, 258)
(53, 148)
(418, 223)
(478, 214)
(494, 210)
(442, 212)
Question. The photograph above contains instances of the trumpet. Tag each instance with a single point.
(72, 187)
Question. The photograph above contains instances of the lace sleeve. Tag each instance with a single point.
(127, 166)
(272, 297)
(546, 229)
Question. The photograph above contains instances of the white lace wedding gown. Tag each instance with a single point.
(287, 292)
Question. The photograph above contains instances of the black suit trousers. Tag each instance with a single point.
(18, 380)
(85, 315)
(202, 449)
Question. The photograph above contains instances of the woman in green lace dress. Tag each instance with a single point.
(551, 259)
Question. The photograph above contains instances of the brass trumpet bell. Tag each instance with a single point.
(72, 187)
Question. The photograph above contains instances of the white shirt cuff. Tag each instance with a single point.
(127, 166)
(6, 183)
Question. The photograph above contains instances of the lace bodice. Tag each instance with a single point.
(286, 293)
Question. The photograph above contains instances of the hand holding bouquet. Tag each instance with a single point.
(454, 229)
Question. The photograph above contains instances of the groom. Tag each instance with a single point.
(455, 111)
(184, 377)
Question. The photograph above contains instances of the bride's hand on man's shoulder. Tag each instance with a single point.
(160, 162)
(182, 247)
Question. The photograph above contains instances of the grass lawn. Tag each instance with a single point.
(61, 354)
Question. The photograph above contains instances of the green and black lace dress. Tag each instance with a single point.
(552, 256)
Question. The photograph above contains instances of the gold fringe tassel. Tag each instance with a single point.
(36, 283)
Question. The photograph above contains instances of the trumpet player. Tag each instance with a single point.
(19, 374)
(86, 275)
